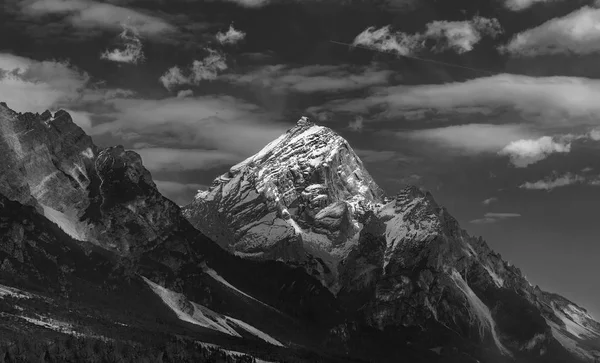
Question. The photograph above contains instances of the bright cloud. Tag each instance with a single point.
(575, 33)
(315, 78)
(36, 86)
(132, 53)
(554, 181)
(529, 151)
(459, 36)
(200, 70)
(95, 14)
(232, 36)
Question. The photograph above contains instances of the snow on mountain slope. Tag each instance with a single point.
(67, 223)
(306, 199)
(199, 315)
(299, 199)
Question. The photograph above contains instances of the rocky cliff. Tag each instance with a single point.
(51, 164)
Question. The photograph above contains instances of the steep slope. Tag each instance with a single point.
(120, 227)
(402, 265)
(299, 199)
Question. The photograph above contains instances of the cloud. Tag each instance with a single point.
(471, 138)
(439, 36)
(232, 36)
(201, 70)
(556, 98)
(575, 33)
(180, 193)
(495, 217)
(250, 3)
(29, 85)
(357, 124)
(132, 53)
(314, 78)
(489, 201)
(167, 159)
(185, 93)
(519, 5)
(595, 135)
(94, 14)
(529, 151)
(554, 181)
(214, 122)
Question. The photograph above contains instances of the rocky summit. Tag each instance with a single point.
(294, 255)
(399, 261)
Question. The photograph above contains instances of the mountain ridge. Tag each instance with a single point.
(383, 278)
(412, 253)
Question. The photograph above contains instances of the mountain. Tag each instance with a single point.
(86, 240)
(401, 264)
(294, 255)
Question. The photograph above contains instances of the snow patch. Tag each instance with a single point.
(215, 275)
(573, 322)
(480, 310)
(65, 222)
(12, 292)
(194, 315)
(497, 279)
(257, 333)
(88, 153)
(199, 315)
(567, 342)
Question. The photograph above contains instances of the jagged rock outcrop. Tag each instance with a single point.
(401, 262)
(103, 196)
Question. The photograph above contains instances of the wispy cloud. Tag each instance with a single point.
(357, 124)
(439, 36)
(215, 122)
(315, 78)
(250, 3)
(170, 159)
(529, 151)
(489, 201)
(555, 98)
(185, 93)
(575, 33)
(206, 69)
(495, 217)
(232, 36)
(132, 53)
(470, 138)
(95, 14)
(519, 5)
(554, 181)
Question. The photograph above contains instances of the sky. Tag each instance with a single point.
(492, 105)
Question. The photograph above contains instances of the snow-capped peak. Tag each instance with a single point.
(296, 192)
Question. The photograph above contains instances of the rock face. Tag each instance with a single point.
(300, 199)
(51, 164)
(400, 262)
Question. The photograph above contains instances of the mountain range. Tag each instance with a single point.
(293, 255)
